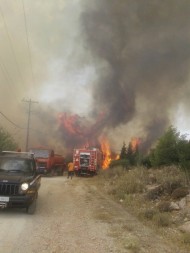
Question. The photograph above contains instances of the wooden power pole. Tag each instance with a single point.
(30, 102)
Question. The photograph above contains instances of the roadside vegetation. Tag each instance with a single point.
(7, 142)
(155, 187)
(170, 149)
(158, 197)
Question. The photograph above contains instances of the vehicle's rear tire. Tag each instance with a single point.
(32, 207)
(59, 171)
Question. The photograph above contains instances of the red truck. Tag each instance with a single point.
(87, 161)
(48, 162)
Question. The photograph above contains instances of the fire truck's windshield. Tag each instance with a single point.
(43, 153)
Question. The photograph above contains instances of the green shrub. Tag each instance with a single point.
(7, 142)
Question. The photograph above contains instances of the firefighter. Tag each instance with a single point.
(70, 170)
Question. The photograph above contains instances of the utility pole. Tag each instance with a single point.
(30, 102)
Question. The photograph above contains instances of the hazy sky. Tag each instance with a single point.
(127, 59)
(42, 57)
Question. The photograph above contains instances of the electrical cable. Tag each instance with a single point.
(23, 128)
(28, 44)
(7, 76)
(11, 44)
(9, 79)
(10, 121)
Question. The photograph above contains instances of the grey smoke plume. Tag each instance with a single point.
(142, 57)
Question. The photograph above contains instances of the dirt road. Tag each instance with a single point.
(73, 216)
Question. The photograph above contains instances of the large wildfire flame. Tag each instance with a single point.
(74, 125)
(106, 152)
(70, 123)
(79, 133)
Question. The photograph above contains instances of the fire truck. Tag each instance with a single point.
(87, 161)
(47, 162)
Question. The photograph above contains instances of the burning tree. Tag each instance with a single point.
(129, 155)
(105, 147)
(79, 132)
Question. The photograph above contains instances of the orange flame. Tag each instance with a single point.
(135, 143)
(117, 157)
(106, 153)
(70, 122)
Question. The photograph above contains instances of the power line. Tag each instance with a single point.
(11, 44)
(27, 38)
(6, 73)
(10, 121)
(24, 128)
(17, 126)
(7, 76)
(9, 79)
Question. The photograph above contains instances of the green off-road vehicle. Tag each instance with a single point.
(19, 182)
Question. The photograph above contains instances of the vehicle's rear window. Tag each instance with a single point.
(8, 163)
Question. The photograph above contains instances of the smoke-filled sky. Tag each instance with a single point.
(118, 68)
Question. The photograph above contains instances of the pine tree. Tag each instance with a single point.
(166, 150)
(131, 155)
(123, 153)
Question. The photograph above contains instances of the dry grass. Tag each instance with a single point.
(164, 206)
(112, 173)
(186, 238)
(131, 243)
(129, 182)
(170, 178)
(162, 219)
(103, 216)
(180, 192)
(127, 227)
(147, 214)
(131, 189)
(115, 234)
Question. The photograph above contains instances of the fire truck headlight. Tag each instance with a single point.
(24, 186)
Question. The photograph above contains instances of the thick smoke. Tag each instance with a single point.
(120, 68)
(142, 56)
